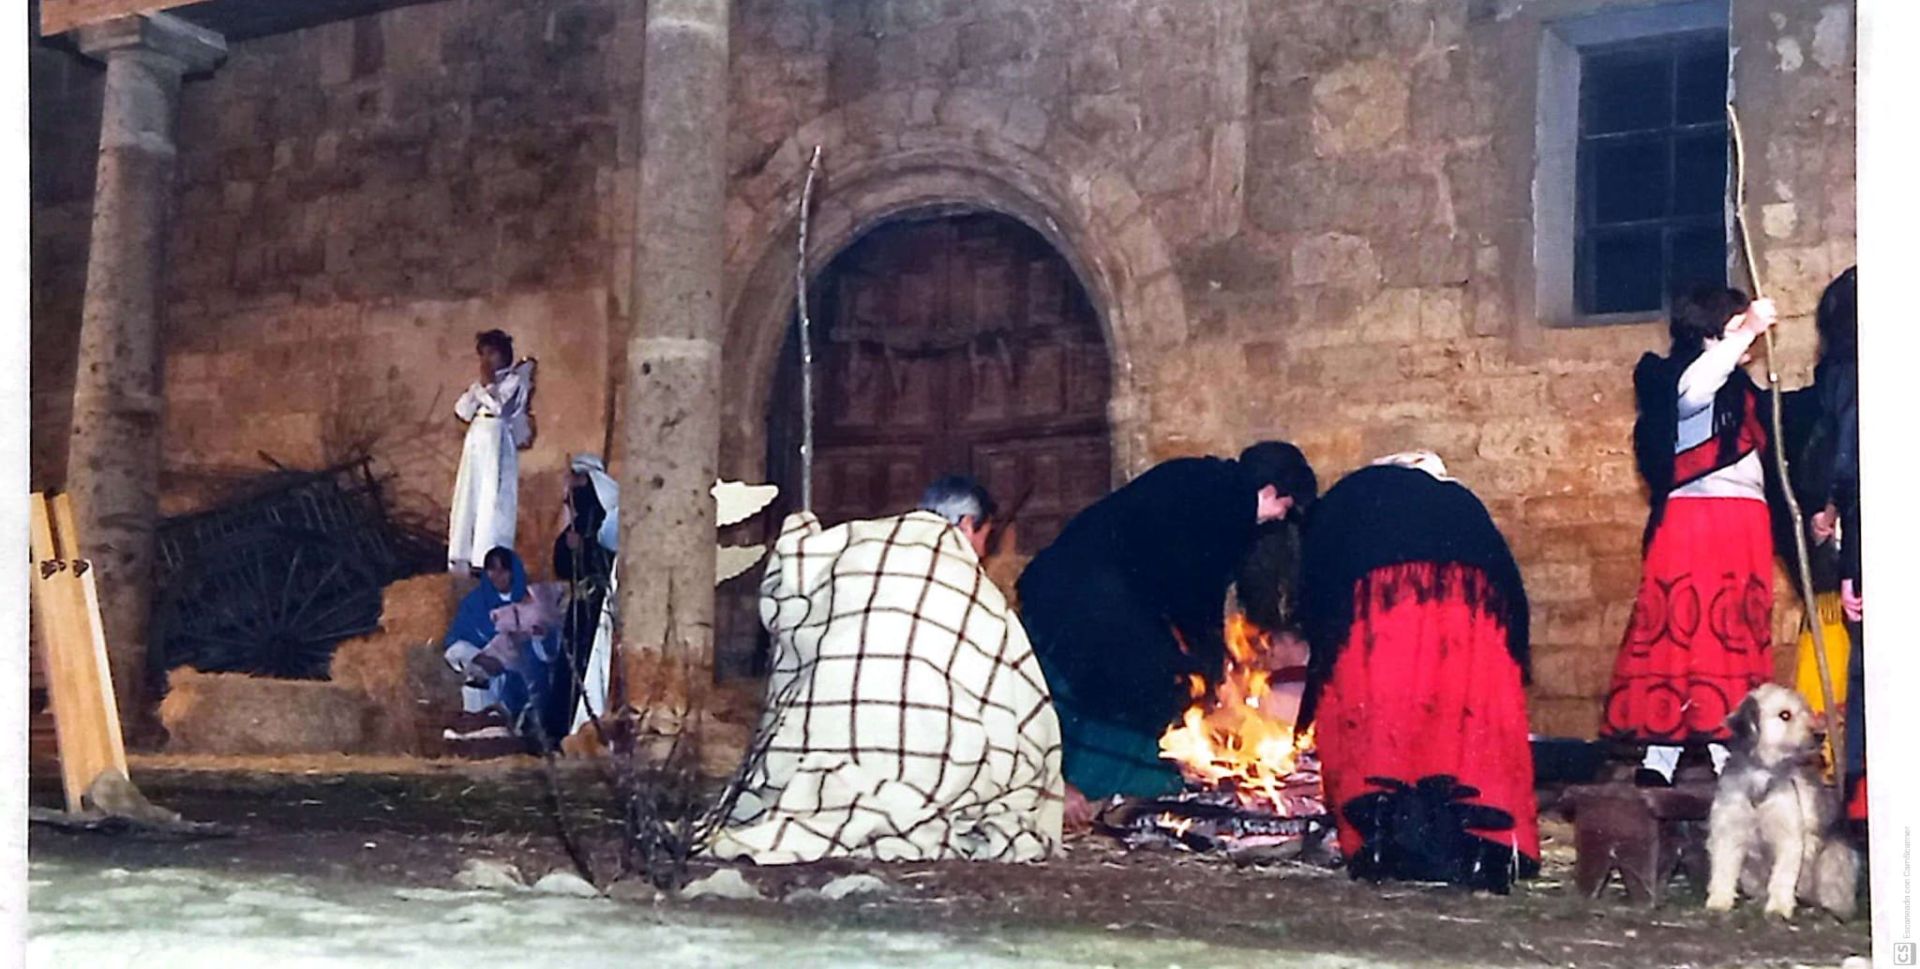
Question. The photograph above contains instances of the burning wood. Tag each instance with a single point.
(1210, 821)
(1241, 738)
(1253, 786)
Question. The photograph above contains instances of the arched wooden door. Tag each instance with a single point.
(955, 344)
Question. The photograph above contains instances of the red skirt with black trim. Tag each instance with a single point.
(1426, 686)
(1702, 632)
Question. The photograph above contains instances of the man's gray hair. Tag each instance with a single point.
(955, 497)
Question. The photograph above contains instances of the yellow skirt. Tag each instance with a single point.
(1839, 648)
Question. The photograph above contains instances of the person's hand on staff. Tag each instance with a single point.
(1824, 524)
(1760, 315)
(1851, 601)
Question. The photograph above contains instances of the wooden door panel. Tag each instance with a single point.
(867, 481)
(960, 345)
(1066, 474)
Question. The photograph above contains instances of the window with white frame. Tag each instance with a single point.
(1631, 190)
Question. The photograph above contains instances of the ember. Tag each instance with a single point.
(1237, 740)
(1209, 820)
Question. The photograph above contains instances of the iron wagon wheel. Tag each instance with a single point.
(273, 602)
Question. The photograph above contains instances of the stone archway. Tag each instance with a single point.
(949, 342)
(1076, 199)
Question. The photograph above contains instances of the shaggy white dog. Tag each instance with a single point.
(1772, 825)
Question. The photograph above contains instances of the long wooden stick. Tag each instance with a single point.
(86, 720)
(806, 338)
(1802, 560)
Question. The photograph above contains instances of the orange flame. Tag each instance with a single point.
(1232, 739)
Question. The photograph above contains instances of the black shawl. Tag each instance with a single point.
(1386, 515)
(1165, 545)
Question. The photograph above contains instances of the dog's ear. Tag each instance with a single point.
(1745, 723)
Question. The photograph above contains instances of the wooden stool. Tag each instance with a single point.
(1644, 833)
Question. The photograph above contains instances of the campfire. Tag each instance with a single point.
(1253, 786)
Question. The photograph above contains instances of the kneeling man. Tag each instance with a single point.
(910, 720)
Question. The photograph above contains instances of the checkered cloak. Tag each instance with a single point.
(910, 720)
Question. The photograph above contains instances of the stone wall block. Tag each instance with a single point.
(1359, 107)
(1558, 582)
(1093, 68)
(1335, 257)
(1027, 124)
(1174, 164)
(972, 111)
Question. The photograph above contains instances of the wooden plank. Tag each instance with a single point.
(52, 615)
(86, 723)
(94, 648)
(60, 16)
(66, 534)
(42, 531)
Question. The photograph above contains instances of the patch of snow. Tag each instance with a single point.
(188, 919)
(843, 887)
(486, 873)
(566, 883)
(725, 883)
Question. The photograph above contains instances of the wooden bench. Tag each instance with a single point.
(1644, 833)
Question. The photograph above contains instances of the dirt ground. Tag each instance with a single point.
(407, 822)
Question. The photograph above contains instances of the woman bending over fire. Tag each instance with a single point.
(1418, 622)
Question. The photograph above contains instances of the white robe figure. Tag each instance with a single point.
(593, 680)
(486, 493)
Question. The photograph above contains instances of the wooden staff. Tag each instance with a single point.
(806, 339)
(1802, 560)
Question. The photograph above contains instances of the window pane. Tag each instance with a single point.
(1702, 94)
(1700, 174)
(1626, 91)
(1629, 180)
(1699, 256)
(1626, 271)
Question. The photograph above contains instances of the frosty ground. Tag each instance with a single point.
(354, 862)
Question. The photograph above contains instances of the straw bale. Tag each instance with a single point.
(417, 608)
(411, 693)
(233, 713)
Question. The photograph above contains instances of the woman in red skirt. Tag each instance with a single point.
(1415, 690)
(1701, 636)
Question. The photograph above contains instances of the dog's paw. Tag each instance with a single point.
(1782, 908)
(1720, 903)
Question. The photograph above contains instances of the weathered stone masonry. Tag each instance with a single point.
(1308, 219)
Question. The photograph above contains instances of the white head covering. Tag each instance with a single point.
(1419, 461)
(608, 491)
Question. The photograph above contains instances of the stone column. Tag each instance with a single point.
(670, 425)
(114, 460)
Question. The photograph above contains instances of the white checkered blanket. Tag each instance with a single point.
(910, 720)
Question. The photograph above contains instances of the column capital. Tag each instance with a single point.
(193, 47)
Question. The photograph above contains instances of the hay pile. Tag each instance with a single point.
(233, 713)
(409, 691)
(726, 728)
